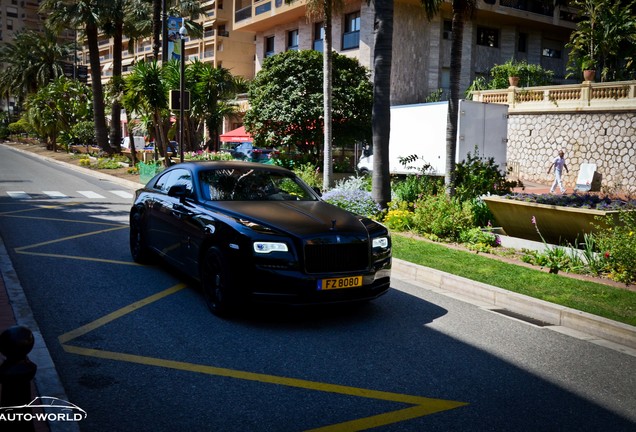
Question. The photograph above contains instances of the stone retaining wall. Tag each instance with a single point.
(606, 139)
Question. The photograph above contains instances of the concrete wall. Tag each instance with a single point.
(606, 139)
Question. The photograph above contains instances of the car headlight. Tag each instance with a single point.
(380, 242)
(263, 247)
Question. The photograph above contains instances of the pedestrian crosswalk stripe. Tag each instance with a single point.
(55, 194)
(22, 195)
(91, 194)
(122, 194)
(18, 195)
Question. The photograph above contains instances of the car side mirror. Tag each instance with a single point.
(317, 190)
(178, 191)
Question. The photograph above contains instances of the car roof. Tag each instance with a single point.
(234, 164)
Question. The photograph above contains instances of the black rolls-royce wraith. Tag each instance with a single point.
(257, 233)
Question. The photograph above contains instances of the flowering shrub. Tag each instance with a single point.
(356, 201)
(399, 217)
(590, 201)
(617, 243)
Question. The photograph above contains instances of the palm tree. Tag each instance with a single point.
(31, 61)
(145, 89)
(381, 112)
(381, 123)
(324, 10)
(84, 15)
(113, 25)
(462, 10)
(212, 88)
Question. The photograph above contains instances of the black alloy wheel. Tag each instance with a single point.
(138, 246)
(216, 282)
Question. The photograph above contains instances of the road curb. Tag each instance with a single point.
(613, 331)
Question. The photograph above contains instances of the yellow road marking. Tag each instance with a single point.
(391, 417)
(422, 405)
(35, 208)
(79, 258)
(433, 405)
(22, 248)
(66, 337)
(61, 220)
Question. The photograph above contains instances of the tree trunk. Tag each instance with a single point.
(156, 28)
(101, 131)
(459, 14)
(115, 114)
(381, 114)
(133, 150)
(327, 87)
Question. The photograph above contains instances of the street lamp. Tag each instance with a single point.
(182, 36)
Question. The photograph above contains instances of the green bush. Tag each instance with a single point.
(476, 176)
(414, 187)
(310, 174)
(617, 243)
(441, 217)
(19, 127)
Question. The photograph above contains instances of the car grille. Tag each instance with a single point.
(336, 257)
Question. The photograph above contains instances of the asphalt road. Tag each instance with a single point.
(137, 349)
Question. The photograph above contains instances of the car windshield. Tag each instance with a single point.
(248, 184)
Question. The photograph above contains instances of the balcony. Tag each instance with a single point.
(534, 6)
(585, 97)
(261, 15)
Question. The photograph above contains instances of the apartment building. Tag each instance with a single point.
(219, 45)
(15, 16)
(498, 31)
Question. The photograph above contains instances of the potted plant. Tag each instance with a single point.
(513, 69)
(589, 68)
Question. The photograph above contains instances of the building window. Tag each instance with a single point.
(9, 24)
(448, 30)
(269, 46)
(488, 37)
(12, 12)
(292, 40)
(551, 52)
(319, 36)
(522, 42)
(351, 36)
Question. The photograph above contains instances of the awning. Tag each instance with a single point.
(236, 135)
(127, 61)
(108, 66)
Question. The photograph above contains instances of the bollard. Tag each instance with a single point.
(16, 373)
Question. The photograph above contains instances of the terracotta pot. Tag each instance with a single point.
(589, 74)
(514, 81)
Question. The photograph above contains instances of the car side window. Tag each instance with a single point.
(174, 178)
(161, 181)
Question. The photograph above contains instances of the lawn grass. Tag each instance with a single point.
(606, 301)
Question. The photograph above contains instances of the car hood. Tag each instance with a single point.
(300, 218)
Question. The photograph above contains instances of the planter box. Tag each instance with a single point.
(558, 225)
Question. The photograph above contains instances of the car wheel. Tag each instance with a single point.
(216, 282)
(138, 247)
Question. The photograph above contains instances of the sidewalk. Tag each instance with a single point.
(15, 310)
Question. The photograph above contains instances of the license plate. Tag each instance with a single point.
(340, 283)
